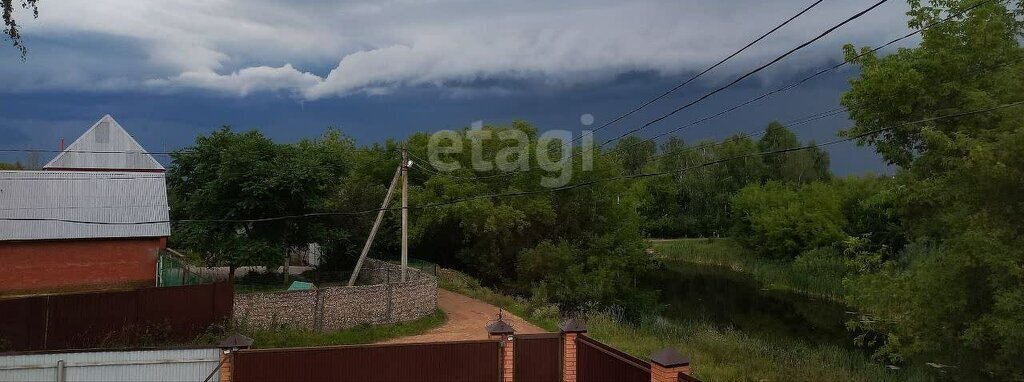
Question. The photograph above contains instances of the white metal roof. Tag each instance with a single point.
(49, 198)
(106, 146)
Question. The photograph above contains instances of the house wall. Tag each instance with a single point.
(49, 266)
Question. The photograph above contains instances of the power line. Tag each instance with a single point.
(550, 190)
(90, 151)
(796, 122)
(750, 73)
(418, 164)
(812, 117)
(808, 78)
(436, 172)
(710, 68)
(782, 89)
(755, 99)
(80, 178)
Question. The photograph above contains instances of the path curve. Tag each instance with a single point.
(466, 320)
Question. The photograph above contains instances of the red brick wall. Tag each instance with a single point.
(569, 354)
(77, 265)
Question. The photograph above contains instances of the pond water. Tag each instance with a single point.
(732, 299)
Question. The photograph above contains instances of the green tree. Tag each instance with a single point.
(776, 137)
(803, 166)
(780, 221)
(11, 28)
(239, 176)
(953, 297)
(663, 199)
(223, 176)
(695, 200)
(11, 166)
(634, 153)
(522, 244)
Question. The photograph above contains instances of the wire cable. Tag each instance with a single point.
(417, 164)
(828, 113)
(549, 190)
(752, 72)
(806, 79)
(708, 69)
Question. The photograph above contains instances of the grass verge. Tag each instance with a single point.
(540, 313)
(363, 334)
(815, 278)
(718, 354)
(731, 355)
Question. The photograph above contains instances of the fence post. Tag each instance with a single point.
(390, 296)
(227, 355)
(319, 303)
(570, 329)
(667, 364)
(61, 371)
(502, 331)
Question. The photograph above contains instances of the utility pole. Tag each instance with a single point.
(405, 210)
(376, 224)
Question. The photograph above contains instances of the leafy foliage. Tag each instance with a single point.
(575, 247)
(11, 28)
(11, 166)
(235, 176)
(952, 297)
(781, 221)
(579, 248)
(696, 201)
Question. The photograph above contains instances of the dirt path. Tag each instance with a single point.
(466, 320)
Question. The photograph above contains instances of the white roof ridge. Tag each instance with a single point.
(96, 149)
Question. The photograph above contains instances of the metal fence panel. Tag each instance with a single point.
(597, 362)
(22, 323)
(88, 320)
(470, 361)
(113, 366)
(79, 321)
(538, 357)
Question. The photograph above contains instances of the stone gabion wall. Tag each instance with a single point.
(285, 308)
(331, 308)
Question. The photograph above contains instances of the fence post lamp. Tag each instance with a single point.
(228, 347)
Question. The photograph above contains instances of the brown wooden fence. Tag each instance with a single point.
(469, 361)
(597, 362)
(538, 357)
(76, 321)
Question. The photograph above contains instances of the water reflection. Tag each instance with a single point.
(728, 298)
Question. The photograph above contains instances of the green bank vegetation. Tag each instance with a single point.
(932, 256)
(285, 337)
(816, 276)
(719, 354)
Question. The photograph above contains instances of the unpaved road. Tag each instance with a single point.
(466, 320)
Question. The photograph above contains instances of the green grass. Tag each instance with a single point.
(540, 313)
(363, 334)
(717, 354)
(730, 355)
(256, 288)
(819, 277)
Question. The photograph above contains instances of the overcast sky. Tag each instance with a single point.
(169, 70)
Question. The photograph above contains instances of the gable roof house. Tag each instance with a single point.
(95, 218)
(106, 146)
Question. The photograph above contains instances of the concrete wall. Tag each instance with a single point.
(47, 266)
(333, 308)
